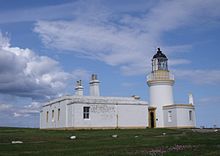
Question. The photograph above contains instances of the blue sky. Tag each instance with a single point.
(46, 45)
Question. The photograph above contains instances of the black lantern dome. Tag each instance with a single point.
(159, 54)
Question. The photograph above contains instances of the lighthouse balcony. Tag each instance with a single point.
(160, 75)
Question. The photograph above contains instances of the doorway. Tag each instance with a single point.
(151, 117)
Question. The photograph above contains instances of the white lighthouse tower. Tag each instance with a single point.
(160, 82)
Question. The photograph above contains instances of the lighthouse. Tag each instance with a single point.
(160, 82)
(95, 111)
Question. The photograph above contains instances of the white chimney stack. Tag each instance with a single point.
(79, 88)
(191, 101)
(94, 86)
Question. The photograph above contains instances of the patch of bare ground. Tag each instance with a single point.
(158, 151)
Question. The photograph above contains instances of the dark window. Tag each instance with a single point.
(58, 114)
(47, 116)
(190, 115)
(86, 112)
(52, 115)
(169, 116)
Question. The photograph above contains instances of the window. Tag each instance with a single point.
(58, 117)
(169, 116)
(52, 115)
(47, 116)
(190, 115)
(86, 112)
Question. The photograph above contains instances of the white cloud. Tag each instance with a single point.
(16, 115)
(128, 84)
(123, 39)
(173, 62)
(109, 44)
(135, 69)
(212, 100)
(36, 13)
(81, 74)
(27, 110)
(201, 77)
(4, 107)
(20, 111)
(24, 73)
(169, 15)
(33, 105)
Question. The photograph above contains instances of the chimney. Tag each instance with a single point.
(79, 88)
(191, 101)
(94, 86)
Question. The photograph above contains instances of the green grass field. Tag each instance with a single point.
(100, 142)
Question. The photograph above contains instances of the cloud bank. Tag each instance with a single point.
(24, 73)
(127, 38)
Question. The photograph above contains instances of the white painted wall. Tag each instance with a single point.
(54, 123)
(94, 88)
(180, 116)
(135, 116)
(111, 116)
(102, 115)
(173, 122)
(161, 94)
(79, 91)
(183, 117)
(70, 115)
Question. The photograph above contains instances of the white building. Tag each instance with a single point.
(95, 111)
(162, 110)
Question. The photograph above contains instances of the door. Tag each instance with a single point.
(152, 117)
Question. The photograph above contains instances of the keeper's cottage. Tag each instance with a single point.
(95, 111)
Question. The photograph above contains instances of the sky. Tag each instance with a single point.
(46, 45)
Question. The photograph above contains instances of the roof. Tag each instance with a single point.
(179, 106)
(98, 100)
(159, 54)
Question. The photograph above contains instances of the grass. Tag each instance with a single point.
(140, 142)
